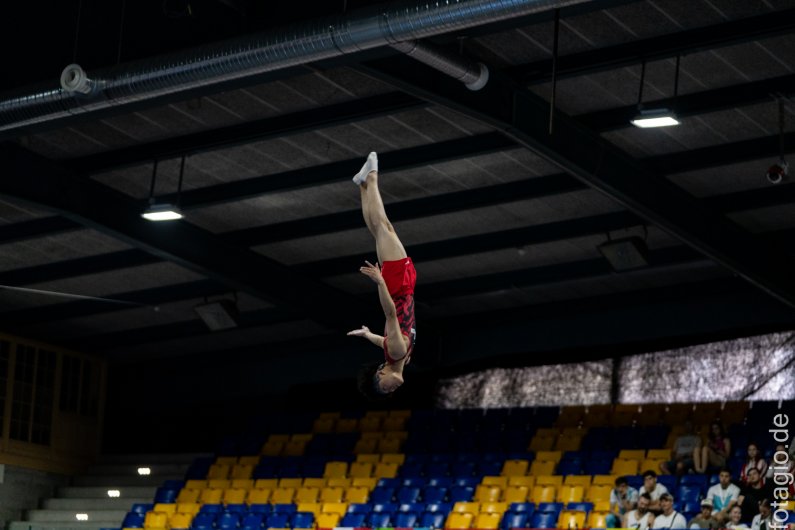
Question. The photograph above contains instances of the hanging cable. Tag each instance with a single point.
(554, 71)
(152, 184)
(676, 83)
(642, 79)
(179, 183)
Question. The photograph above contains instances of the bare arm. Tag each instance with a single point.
(394, 336)
(365, 332)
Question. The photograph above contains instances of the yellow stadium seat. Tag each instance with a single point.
(632, 454)
(459, 521)
(542, 494)
(542, 443)
(266, 483)
(220, 471)
(259, 496)
(602, 506)
(487, 521)
(466, 507)
(226, 460)
(487, 493)
(291, 482)
(393, 458)
(372, 435)
(347, 425)
(272, 448)
(283, 496)
(396, 435)
(394, 424)
(527, 481)
(362, 482)
(370, 424)
(234, 496)
(597, 519)
(218, 483)
(167, 508)
(549, 456)
(653, 464)
(328, 520)
(311, 507)
(571, 493)
(357, 494)
(571, 519)
(342, 482)
(301, 437)
(376, 414)
(390, 445)
(334, 507)
(515, 494)
(400, 413)
(568, 442)
(188, 507)
(625, 467)
(156, 520)
(368, 458)
(248, 460)
(599, 492)
(542, 467)
(242, 483)
(180, 520)
(294, 448)
(324, 425)
(549, 480)
(314, 482)
(361, 469)
(306, 494)
(383, 470)
(280, 438)
(578, 480)
(664, 454)
(493, 507)
(336, 470)
(211, 496)
(242, 471)
(512, 468)
(195, 484)
(610, 480)
(366, 445)
(491, 480)
(331, 494)
(188, 495)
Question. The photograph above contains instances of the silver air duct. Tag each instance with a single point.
(297, 44)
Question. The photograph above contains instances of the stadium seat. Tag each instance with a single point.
(484, 493)
(353, 520)
(569, 467)
(432, 494)
(433, 520)
(578, 480)
(405, 519)
(543, 520)
(334, 507)
(291, 482)
(625, 467)
(603, 479)
(597, 519)
(328, 520)
(598, 492)
(516, 494)
(456, 521)
(549, 480)
(227, 521)
(513, 520)
(188, 507)
(364, 508)
(382, 495)
(571, 519)
(335, 470)
(361, 469)
(251, 521)
(356, 494)
(461, 493)
(133, 520)
(303, 520)
(664, 454)
(542, 467)
(379, 519)
(493, 507)
(570, 493)
(687, 494)
(202, 521)
(511, 468)
(542, 494)
(487, 521)
(188, 495)
(491, 480)
(526, 481)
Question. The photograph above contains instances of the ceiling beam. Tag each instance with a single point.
(656, 48)
(36, 180)
(585, 155)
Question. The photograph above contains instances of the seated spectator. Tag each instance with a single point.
(734, 523)
(669, 518)
(653, 489)
(623, 498)
(723, 496)
(752, 494)
(705, 518)
(754, 460)
(763, 519)
(640, 518)
(683, 452)
(716, 451)
(790, 468)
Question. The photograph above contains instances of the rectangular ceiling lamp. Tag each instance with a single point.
(625, 254)
(218, 315)
(655, 118)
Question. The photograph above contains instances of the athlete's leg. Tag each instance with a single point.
(387, 244)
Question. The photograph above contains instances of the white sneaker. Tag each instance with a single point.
(370, 165)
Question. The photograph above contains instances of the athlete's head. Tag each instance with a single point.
(378, 381)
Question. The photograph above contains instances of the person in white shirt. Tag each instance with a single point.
(653, 488)
(735, 514)
(723, 495)
(762, 520)
(640, 518)
(622, 499)
(669, 518)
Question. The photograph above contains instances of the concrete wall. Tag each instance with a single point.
(22, 489)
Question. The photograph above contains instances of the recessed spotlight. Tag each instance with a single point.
(144, 471)
(114, 493)
(81, 516)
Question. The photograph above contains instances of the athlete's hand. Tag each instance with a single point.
(372, 271)
(364, 330)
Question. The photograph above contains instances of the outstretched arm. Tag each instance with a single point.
(397, 347)
(365, 332)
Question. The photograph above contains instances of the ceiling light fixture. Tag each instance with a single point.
(627, 253)
(164, 211)
(220, 314)
(144, 471)
(655, 117)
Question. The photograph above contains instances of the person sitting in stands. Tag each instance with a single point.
(683, 452)
(654, 489)
(754, 460)
(735, 514)
(750, 495)
(705, 518)
(763, 519)
(669, 518)
(623, 498)
(640, 518)
(716, 452)
(723, 495)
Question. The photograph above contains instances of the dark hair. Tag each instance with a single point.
(621, 480)
(720, 428)
(646, 496)
(764, 502)
(649, 473)
(365, 381)
(725, 469)
(668, 497)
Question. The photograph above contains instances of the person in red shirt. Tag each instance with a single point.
(395, 278)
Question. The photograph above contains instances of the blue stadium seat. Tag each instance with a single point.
(202, 521)
(363, 508)
(412, 469)
(353, 520)
(597, 467)
(490, 468)
(228, 521)
(286, 509)
(669, 481)
(691, 507)
(582, 506)
(470, 482)
(313, 469)
(437, 469)
(433, 520)
(713, 479)
(513, 520)
(393, 483)
(277, 520)
(687, 494)
(408, 494)
(252, 521)
(379, 519)
(381, 495)
(133, 520)
(604, 454)
(697, 481)
(550, 507)
(635, 481)
(570, 467)
(416, 507)
(211, 508)
(388, 507)
(543, 520)
(522, 507)
(415, 458)
(142, 508)
(413, 482)
(303, 520)
(434, 495)
(265, 470)
(405, 519)
(441, 456)
(236, 508)
(259, 508)
(461, 493)
(175, 484)
(439, 507)
(439, 482)
(463, 469)
(166, 495)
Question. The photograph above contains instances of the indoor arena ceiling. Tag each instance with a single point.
(499, 216)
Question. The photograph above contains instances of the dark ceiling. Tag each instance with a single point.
(502, 220)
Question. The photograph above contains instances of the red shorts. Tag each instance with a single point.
(400, 276)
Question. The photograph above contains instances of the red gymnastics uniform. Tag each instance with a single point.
(400, 278)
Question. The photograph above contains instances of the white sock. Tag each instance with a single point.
(371, 164)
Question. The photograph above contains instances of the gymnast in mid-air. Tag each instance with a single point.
(395, 277)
